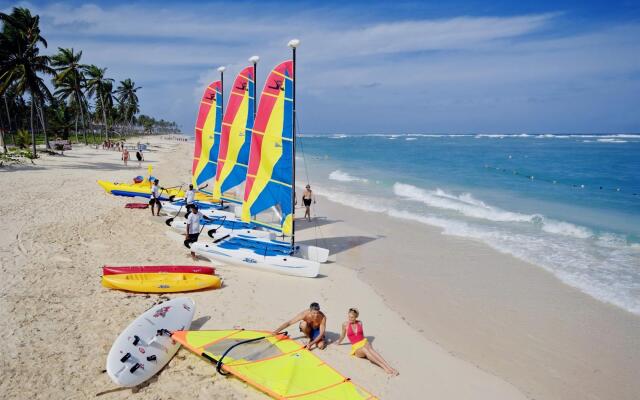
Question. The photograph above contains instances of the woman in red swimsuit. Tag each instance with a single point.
(360, 346)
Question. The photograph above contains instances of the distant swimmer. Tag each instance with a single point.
(155, 197)
(312, 323)
(307, 197)
(360, 346)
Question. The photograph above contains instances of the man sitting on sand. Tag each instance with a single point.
(312, 324)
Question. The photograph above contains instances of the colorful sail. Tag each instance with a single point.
(235, 140)
(270, 172)
(274, 364)
(208, 127)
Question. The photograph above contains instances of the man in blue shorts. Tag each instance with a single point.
(312, 323)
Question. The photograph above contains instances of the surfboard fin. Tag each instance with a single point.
(126, 357)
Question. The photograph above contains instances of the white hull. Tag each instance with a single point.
(180, 225)
(171, 209)
(304, 263)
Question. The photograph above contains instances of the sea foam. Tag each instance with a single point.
(468, 206)
(596, 265)
(341, 176)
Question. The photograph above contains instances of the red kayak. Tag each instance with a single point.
(136, 205)
(151, 269)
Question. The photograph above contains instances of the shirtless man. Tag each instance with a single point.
(312, 323)
(307, 197)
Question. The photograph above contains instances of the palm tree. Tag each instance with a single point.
(20, 23)
(128, 99)
(60, 118)
(100, 87)
(66, 91)
(70, 80)
(20, 61)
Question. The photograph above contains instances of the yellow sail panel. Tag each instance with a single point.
(269, 180)
(274, 364)
(207, 135)
(235, 139)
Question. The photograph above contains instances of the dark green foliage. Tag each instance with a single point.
(27, 105)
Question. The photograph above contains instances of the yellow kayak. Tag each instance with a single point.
(161, 282)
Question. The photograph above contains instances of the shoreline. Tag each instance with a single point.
(508, 317)
(56, 309)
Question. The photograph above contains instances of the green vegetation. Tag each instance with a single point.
(84, 106)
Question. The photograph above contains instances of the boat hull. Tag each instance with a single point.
(284, 264)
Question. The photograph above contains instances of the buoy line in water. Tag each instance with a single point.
(532, 177)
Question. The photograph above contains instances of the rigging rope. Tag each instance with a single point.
(317, 229)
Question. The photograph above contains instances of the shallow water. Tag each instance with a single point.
(568, 203)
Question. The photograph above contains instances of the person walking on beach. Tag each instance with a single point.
(125, 155)
(360, 346)
(312, 323)
(140, 157)
(193, 228)
(155, 197)
(307, 197)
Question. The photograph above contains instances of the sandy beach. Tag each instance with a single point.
(456, 318)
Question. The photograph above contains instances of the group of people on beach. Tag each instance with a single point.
(313, 324)
(125, 154)
(312, 321)
(179, 138)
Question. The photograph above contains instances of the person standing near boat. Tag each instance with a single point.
(155, 197)
(307, 197)
(190, 196)
(360, 346)
(193, 228)
(312, 323)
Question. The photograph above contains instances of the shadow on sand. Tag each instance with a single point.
(198, 323)
(339, 244)
(302, 224)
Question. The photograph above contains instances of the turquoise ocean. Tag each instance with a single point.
(569, 204)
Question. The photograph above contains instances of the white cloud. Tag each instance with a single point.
(471, 65)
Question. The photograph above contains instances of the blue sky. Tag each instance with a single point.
(378, 67)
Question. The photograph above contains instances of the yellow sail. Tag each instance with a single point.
(274, 364)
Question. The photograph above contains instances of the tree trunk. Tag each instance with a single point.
(40, 110)
(77, 140)
(4, 143)
(84, 126)
(6, 106)
(33, 132)
(104, 118)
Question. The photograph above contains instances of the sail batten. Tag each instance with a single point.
(207, 135)
(270, 172)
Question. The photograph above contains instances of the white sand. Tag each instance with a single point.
(510, 318)
(58, 323)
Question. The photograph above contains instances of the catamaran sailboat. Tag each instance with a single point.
(270, 176)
